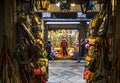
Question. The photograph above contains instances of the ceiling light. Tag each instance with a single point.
(58, 4)
(87, 22)
(63, 23)
(73, 4)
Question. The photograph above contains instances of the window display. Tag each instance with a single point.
(71, 36)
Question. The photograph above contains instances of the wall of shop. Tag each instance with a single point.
(9, 22)
(116, 47)
(7, 29)
(1, 22)
(117, 14)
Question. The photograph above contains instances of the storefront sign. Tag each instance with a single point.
(46, 14)
(81, 15)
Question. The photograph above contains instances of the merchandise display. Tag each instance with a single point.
(41, 39)
(30, 49)
(100, 30)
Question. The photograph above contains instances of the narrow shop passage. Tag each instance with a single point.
(66, 71)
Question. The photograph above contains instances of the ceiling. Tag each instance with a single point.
(74, 6)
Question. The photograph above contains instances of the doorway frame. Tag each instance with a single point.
(81, 27)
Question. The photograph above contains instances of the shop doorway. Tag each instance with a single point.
(72, 38)
(72, 31)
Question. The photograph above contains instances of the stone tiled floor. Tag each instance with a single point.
(66, 71)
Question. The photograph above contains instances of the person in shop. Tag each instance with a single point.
(52, 55)
(48, 49)
(64, 46)
(87, 46)
(83, 50)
